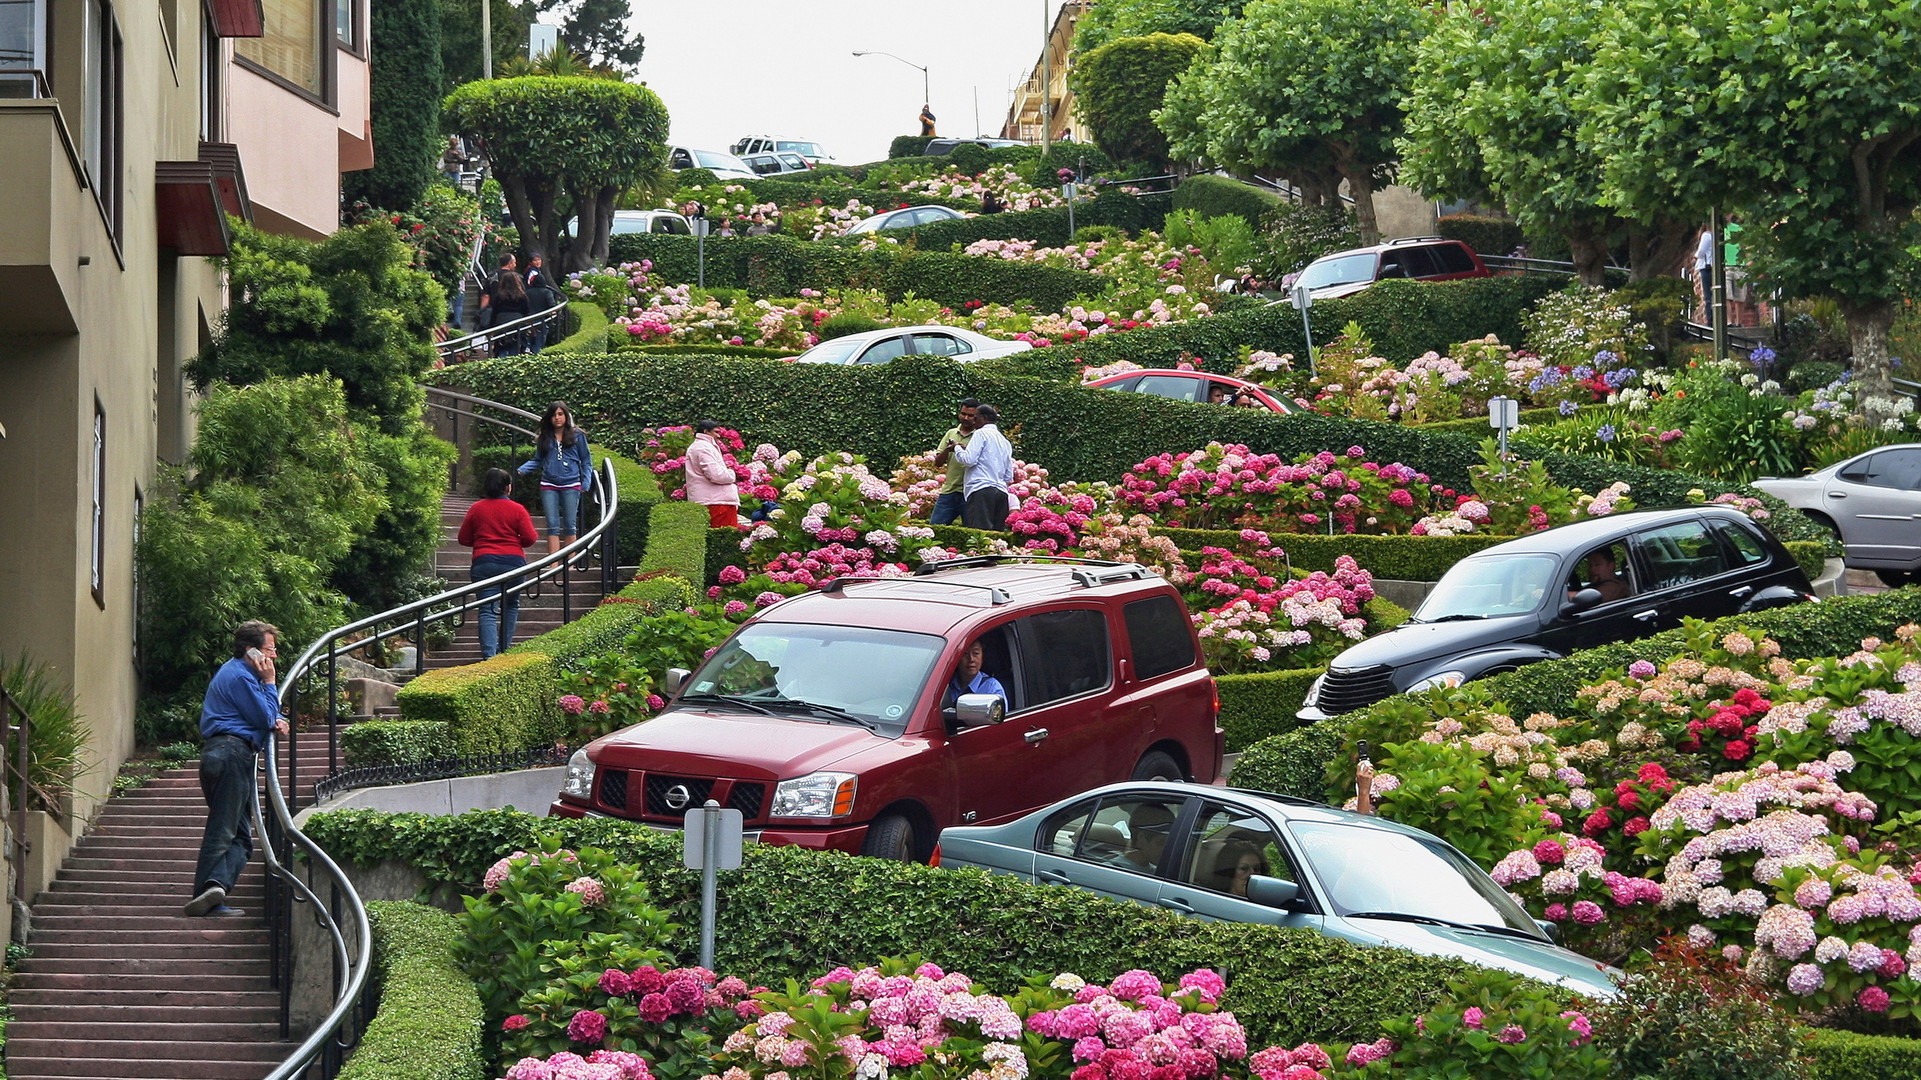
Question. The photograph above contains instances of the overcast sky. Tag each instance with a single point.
(733, 68)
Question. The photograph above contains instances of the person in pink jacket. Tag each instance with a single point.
(709, 481)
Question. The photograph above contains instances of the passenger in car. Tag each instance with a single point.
(1602, 578)
(970, 679)
(1147, 827)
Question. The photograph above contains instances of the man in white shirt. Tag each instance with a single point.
(989, 460)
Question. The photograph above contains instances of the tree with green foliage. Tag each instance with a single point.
(1111, 20)
(599, 30)
(460, 39)
(560, 145)
(1297, 84)
(1803, 115)
(1118, 86)
(405, 90)
(1490, 115)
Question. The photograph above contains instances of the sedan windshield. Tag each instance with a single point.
(708, 159)
(810, 149)
(1371, 870)
(784, 668)
(1489, 586)
(1343, 270)
(833, 352)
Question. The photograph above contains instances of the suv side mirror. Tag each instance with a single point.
(1584, 599)
(1272, 891)
(979, 710)
(676, 678)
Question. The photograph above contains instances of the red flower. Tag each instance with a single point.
(1737, 750)
(515, 1022)
(1598, 822)
(1635, 826)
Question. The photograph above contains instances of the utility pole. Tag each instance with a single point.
(486, 39)
(1047, 79)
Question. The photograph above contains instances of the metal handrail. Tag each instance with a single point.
(345, 917)
(452, 347)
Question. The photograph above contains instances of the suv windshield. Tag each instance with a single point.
(876, 675)
(1489, 585)
(1339, 270)
(1364, 869)
(810, 149)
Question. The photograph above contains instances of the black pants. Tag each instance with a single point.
(227, 780)
(986, 509)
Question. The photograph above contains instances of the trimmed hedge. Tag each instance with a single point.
(1294, 763)
(677, 541)
(1486, 235)
(1476, 426)
(1215, 196)
(1845, 1055)
(1046, 228)
(604, 628)
(430, 1022)
(684, 349)
(1403, 558)
(1811, 554)
(497, 706)
(393, 742)
(1261, 705)
(591, 337)
(794, 913)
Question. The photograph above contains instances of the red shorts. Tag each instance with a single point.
(723, 515)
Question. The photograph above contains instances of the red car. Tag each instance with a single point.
(827, 720)
(1195, 386)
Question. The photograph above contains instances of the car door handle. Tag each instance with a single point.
(1054, 877)
(1646, 616)
(1177, 904)
(1036, 735)
(1741, 592)
(1837, 494)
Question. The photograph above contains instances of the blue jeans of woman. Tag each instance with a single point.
(561, 507)
(497, 626)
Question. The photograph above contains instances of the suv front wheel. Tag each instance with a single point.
(891, 836)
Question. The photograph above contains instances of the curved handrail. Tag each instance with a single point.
(352, 959)
(454, 346)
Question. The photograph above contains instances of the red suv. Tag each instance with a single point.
(1426, 258)
(828, 722)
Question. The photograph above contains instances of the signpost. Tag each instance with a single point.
(700, 225)
(1302, 299)
(1067, 192)
(1503, 415)
(710, 841)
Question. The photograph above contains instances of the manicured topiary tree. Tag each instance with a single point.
(1118, 86)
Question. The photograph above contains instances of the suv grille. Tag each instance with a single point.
(747, 798)
(1346, 690)
(658, 786)
(613, 789)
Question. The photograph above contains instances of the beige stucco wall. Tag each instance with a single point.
(295, 147)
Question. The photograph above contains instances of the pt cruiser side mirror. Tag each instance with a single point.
(979, 710)
(1272, 891)
(676, 678)
(1584, 599)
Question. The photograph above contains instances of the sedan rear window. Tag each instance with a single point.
(1489, 586)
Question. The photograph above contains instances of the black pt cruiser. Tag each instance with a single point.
(1576, 586)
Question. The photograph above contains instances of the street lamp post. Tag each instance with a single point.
(924, 93)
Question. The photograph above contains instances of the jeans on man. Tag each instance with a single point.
(227, 781)
(496, 625)
(561, 508)
(987, 508)
(947, 508)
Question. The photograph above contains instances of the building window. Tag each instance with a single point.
(102, 109)
(291, 45)
(344, 22)
(23, 48)
(99, 503)
(210, 63)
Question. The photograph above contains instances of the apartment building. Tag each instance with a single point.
(1043, 105)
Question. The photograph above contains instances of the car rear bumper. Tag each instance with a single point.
(847, 838)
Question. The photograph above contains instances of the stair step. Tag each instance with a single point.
(161, 981)
(50, 1014)
(65, 1068)
(147, 965)
(266, 1030)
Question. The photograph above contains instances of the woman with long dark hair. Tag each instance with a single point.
(510, 303)
(498, 529)
(566, 473)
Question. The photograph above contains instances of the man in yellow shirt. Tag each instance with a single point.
(947, 508)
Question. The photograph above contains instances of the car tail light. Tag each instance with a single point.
(934, 859)
(1214, 693)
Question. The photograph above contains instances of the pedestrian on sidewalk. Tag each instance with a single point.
(989, 459)
(566, 473)
(499, 530)
(709, 481)
(240, 709)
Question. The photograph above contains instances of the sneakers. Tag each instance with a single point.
(225, 912)
(210, 898)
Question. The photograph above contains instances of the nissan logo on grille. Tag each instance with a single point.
(678, 796)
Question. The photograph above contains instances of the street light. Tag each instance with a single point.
(925, 99)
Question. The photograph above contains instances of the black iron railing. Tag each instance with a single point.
(438, 769)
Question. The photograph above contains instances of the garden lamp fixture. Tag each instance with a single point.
(925, 99)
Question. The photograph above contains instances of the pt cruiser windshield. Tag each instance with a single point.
(822, 674)
(1489, 586)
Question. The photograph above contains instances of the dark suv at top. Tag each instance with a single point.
(1426, 258)
(825, 719)
(1540, 597)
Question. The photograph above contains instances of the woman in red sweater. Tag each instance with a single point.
(498, 529)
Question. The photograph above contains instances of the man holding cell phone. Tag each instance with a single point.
(240, 709)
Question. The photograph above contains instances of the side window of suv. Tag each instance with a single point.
(1063, 654)
(1158, 633)
(1454, 259)
(1421, 262)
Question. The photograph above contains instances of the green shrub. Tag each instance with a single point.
(1844, 1055)
(686, 349)
(430, 1024)
(901, 146)
(1485, 234)
(845, 323)
(604, 628)
(1212, 196)
(1261, 705)
(1477, 426)
(794, 913)
(394, 742)
(1404, 558)
(1811, 554)
(592, 335)
(497, 706)
(677, 540)
(57, 731)
(1690, 1015)
(1048, 228)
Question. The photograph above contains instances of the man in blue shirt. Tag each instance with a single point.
(970, 679)
(989, 459)
(240, 709)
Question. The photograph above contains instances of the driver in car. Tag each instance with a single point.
(1601, 577)
(970, 679)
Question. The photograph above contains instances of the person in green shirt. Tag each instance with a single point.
(947, 508)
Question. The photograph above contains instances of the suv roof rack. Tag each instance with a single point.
(1088, 574)
(995, 594)
(1414, 240)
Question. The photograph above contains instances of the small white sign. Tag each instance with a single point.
(700, 225)
(541, 40)
(693, 844)
(1300, 297)
(1503, 413)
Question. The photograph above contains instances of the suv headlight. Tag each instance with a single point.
(580, 777)
(821, 794)
(1449, 679)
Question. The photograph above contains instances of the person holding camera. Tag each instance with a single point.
(240, 710)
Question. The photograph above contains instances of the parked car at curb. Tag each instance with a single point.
(1576, 586)
(881, 346)
(762, 144)
(631, 222)
(784, 163)
(723, 166)
(1195, 386)
(905, 218)
(1871, 501)
(1232, 855)
(1424, 258)
(827, 720)
(939, 147)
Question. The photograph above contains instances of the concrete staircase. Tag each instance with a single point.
(120, 983)
(540, 607)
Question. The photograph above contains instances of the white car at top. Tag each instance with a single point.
(882, 346)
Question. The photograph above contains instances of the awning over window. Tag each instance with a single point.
(228, 177)
(237, 18)
(188, 207)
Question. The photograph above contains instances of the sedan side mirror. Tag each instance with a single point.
(1551, 929)
(1584, 599)
(1272, 891)
(979, 710)
(676, 678)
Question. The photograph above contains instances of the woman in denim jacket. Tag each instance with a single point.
(566, 473)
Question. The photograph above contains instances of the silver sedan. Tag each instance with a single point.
(1872, 502)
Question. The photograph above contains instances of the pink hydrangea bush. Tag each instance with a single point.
(670, 1016)
(1258, 619)
(1225, 485)
(567, 1065)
